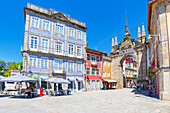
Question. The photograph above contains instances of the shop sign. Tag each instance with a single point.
(122, 52)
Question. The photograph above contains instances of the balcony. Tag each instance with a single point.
(59, 70)
(52, 51)
(94, 63)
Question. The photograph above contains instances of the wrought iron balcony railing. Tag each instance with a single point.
(58, 70)
(53, 51)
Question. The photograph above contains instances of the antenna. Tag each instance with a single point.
(126, 17)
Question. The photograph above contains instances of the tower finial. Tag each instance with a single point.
(143, 30)
(127, 31)
(139, 33)
(115, 39)
(113, 43)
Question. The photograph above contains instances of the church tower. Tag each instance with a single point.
(143, 34)
(141, 39)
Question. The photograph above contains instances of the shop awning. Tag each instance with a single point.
(43, 78)
(109, 80)
(79, 79)
(89, 77)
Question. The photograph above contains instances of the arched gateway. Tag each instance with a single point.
(129, 47)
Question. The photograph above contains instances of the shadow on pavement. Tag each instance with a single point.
(23, 97)
(143, 92)
(4, 96)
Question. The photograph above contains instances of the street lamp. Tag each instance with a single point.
(150, 37)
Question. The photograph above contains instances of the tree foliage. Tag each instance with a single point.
(2, 65)
(9, 66)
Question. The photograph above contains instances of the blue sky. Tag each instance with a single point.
(103, 19)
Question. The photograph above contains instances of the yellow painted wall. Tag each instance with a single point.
(107, 69)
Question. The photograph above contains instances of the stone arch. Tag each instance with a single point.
(129, 48)
(126, 56)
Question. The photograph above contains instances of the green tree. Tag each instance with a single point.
(8, 72)
(9, 64)
(16, 65)
(12, 65)
(2, 65)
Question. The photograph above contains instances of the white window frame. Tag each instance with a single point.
(30, 46)
(33, 62)
(79, 69)
(79, 36)
(60, 26)
(44, 25)
(88, 70)
(72, 35)
(34, 26)
(108, 74)
(94, 57)
(90, 56)
(97, 56)
(94, 71)
(58, 68)
(45, 48)
(79, 54)
(104, 73)
(108, 64)
(104, 63)
(55, 47)
(44, 62)
(70, 65)
(69, 51)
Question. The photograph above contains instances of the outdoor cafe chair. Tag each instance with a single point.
(52, 93)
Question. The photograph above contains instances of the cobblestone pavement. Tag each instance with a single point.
(112, 101)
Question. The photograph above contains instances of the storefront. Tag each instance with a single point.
(109, 83)
(79, 84)
(92, 82)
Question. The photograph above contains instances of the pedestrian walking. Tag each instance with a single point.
(142, 86)
(104, 86)
(138, 87)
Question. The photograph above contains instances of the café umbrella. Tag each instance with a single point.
(17, 78)
(58, 80)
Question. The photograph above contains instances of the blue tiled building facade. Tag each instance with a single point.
(54, 46)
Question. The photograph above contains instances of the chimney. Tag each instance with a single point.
(115, 39)
(139, 33)
(143, 30)
(113, 43)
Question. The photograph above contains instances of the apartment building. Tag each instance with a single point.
(54, 46)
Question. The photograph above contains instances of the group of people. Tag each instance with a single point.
(28, 90)
(151, 90)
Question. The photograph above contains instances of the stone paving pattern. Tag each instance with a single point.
(112, 101)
